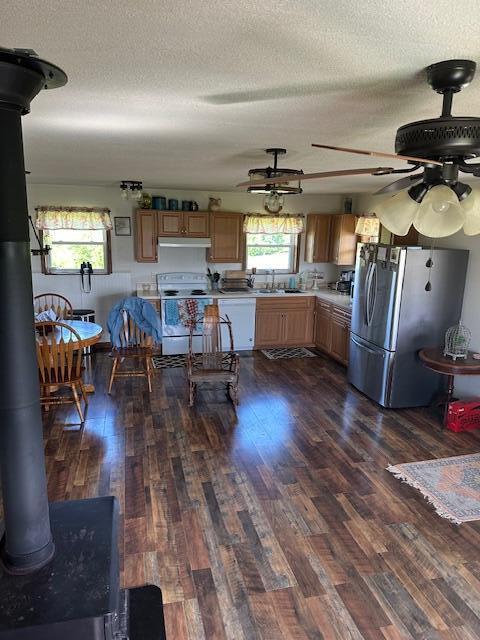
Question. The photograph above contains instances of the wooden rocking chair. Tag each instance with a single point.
(137, 345)
(213, 364)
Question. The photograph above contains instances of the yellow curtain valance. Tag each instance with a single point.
(368, 226)
(49, 218)
(259, 223)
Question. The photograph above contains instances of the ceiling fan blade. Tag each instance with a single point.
(378, 154)
(398, 185)
(313, 176)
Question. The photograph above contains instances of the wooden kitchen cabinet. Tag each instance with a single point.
(284, 322)
(340, 337)
(317, 237)
(189, 224)
(332, 330)
(226, 232)
(322, 326)
(343, 240)
(145, 235)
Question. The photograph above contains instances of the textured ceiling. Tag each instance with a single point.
(187, 94)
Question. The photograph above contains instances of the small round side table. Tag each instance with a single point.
(436, 361)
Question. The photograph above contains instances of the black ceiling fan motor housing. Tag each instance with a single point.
(440, 138)
(447, 136)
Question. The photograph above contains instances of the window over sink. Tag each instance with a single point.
(266, 251)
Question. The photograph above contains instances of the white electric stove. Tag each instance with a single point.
(181, 292)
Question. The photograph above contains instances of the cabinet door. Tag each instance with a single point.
(145, 235)
(343, 240)
(170, 223)
(298, 327)
(340, 338)
(269, 329)
(323, 327)
(317, 238)
(196, 224)
(227, 237)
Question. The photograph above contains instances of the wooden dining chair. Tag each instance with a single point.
(135, 345)
(59, 304)
(59, 359)
(213, 364)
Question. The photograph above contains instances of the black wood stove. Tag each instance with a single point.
(59, 575)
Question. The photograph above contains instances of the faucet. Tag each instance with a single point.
(273, 280)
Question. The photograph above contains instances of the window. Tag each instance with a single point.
(75, 235)
(267, 251)
(71, 247)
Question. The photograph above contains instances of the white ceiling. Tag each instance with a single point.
(186, 94)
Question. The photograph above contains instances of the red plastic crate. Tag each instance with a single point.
(464, 416)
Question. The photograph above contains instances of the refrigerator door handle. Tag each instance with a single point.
(372, 294)
(363, 346)
(366, 292)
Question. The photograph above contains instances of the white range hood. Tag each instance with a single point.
(184, 242)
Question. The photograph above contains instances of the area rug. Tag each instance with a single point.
(292, 352)
(451, 485)
(167, 362)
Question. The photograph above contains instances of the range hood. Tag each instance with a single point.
(184, 242)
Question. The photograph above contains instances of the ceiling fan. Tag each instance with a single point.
(437, 150)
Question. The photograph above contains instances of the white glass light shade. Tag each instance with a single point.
(397, 212)
(137, 194)
(439, 214)
(124, 193)
(471, 208)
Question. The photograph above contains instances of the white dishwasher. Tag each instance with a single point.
(241, 312)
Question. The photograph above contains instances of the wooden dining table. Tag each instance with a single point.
(89, 333)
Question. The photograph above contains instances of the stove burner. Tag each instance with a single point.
(170, 292)
(198, 292)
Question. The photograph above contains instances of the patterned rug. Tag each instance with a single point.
(168, 362)
(288, 352)
(451, 485)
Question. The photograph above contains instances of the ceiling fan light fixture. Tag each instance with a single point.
(471, 208)
(418, 191)
(439, 214)
(397, 212)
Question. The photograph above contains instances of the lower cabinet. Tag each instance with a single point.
(332, 330)
(284, 322)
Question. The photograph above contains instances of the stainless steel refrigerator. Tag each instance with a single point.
(394, 315)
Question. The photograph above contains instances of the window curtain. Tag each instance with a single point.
(368, 226)
(49, 218)
(259, 223)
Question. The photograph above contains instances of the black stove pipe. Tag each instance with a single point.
(27, 542)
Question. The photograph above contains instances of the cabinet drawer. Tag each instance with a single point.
(280, 303)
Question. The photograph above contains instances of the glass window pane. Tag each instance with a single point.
(70, 256)
(270, 238)
(268, 257)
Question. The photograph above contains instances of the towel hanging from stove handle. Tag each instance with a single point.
(86, 269)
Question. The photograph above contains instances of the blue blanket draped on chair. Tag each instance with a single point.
(143, 313)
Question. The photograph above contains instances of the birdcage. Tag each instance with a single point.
(457, 341)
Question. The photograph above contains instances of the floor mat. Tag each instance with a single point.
(451, 485)
(288, 352)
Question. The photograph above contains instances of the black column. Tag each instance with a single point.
(27, 543)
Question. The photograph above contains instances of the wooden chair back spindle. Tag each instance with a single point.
(59, 304)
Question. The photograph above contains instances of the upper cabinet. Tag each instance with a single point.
(190, 224)
(226, 232)
(343, 240)
(317, 237)
(331, 238)
(145, 235)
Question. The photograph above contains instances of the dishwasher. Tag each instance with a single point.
(241, 312)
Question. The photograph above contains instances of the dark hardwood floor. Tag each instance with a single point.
(279, 520)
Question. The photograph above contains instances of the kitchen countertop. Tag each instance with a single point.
(323, 294)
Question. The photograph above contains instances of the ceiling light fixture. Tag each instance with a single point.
(274, 192)
(437, 207)
(131, 189)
